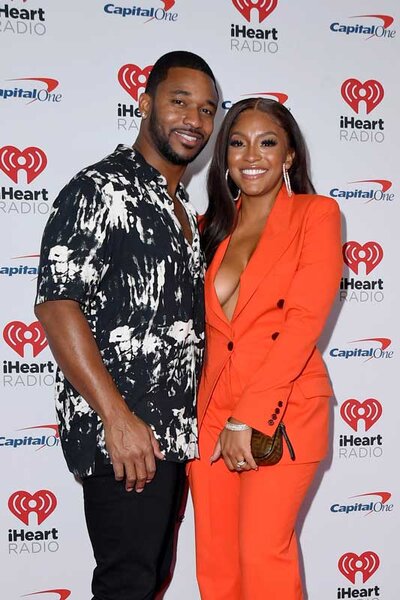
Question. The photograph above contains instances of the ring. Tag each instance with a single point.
(240, 463)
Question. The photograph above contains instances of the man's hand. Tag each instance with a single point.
(133, 450)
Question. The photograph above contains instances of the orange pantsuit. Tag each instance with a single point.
(261, 367)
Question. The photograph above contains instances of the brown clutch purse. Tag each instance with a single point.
(267, 450)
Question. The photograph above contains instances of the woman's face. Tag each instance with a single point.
(257, 149)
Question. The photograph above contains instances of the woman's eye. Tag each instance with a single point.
(269, 142)
(236, 143)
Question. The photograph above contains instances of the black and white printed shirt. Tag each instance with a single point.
(114, 244)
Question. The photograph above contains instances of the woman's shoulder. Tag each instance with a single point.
(316, 203)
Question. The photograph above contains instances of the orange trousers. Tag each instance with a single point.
(246, 546)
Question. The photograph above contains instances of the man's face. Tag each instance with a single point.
(182, 114)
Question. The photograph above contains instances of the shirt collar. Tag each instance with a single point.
(146, 172)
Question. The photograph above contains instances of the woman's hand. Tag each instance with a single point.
(234, 447)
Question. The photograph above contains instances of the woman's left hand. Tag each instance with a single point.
(234, 447)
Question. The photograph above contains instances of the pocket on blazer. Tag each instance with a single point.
(315, 386)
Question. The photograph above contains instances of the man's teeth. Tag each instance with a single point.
(189, 138)
(253, 171)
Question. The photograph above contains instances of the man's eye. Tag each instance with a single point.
(177, 101)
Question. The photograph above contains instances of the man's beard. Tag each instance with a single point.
(162, 144)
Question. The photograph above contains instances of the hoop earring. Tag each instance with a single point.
(286, 179)
(227, 182)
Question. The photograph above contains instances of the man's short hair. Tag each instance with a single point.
(178, 58)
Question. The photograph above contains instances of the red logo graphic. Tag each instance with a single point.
(32, 160)
(61, 594)
(386, 19)
(384, 496)
(17, 334)
(352, 411)
(279, 96)
(168, 4)
(132, 78)
(370, 254)
(366, 563)
(22, 504)
(371, 92)
(384, 183)
(263, 7)
(54, 429)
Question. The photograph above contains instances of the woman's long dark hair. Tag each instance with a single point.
(220, 216)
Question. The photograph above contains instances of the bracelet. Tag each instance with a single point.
(236, 426)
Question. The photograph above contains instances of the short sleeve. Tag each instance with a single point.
(74, 251)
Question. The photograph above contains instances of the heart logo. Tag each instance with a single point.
(132, 78)
(22, 504)
(61, 594)
(370, 254)
(17, 334)
(371, 92)
(263, 7)
(32, 160)
(352, 411)
(366, 563)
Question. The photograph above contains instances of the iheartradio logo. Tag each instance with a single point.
(263, 8)
(371, 254)
(17, 335)
(366, 563)
(22, 504)
(32, 160)
(352, 412)
(370, 92)
(132, 78)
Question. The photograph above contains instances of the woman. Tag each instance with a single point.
(274, 254)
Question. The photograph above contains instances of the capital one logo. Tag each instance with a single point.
(366, 563)
(32, 160)
(17, 335)
(352, 412)
(370, 92)
(262, 7)
(132, 78)
(371, 254)
(22, 504)
(59, 594)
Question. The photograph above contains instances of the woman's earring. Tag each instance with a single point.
(286, 179)
(239, 191)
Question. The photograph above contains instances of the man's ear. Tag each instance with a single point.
(145, 103)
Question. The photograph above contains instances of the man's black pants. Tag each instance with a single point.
(132, 534)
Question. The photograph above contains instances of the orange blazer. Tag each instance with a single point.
(286, 292)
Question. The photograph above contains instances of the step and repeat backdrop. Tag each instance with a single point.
(70, 77)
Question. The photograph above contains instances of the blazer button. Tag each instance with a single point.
(270, 422)
(274, 417)
(275, 335)
(230, 345)
(280, 303)
(277, 411)
(280, 403)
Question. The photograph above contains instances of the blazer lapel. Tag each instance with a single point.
(276, 237)
(215, 314)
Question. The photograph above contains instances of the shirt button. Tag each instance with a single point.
(270, 422)
(275, 335)
(230, 346)
(280, 403)
(280, 303)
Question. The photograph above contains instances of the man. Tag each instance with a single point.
(120, 297)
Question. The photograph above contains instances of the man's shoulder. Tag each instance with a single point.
(113, 167)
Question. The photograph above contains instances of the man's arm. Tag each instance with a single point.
(130, 441)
